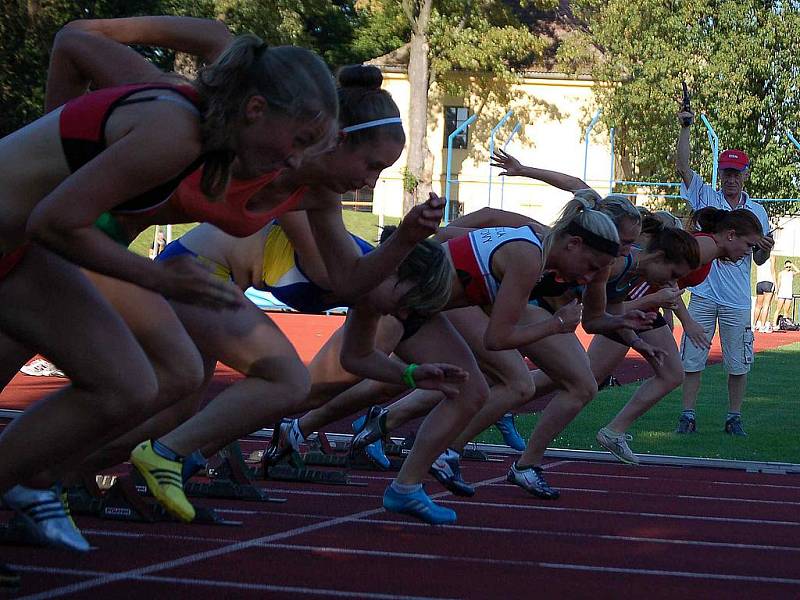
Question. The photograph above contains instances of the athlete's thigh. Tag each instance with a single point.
(501, 365)
(12, 356)
(244, 338)
(662, 338)
(560, 356)
(438, 341)
(51, 307)
(605, 355)
(152, 320)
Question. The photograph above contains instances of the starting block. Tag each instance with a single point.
(124, 501)
(231, 479)
(402, 449)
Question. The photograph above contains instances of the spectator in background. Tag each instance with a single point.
(725, 294)
(785, 294)
(765, 288)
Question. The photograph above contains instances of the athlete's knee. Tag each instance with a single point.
(582, 388)
(673, 378)
(522, 388)
(179, 378)
(124, 399)
(290, 377)
(474, 395)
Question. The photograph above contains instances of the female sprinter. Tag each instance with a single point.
(125, 150)
(723, 235)
(280, 366)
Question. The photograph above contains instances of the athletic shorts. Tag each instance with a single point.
(765, 287)
(735, 334)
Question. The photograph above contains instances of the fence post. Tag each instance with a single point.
(503, 180)
(450, 139)
(595, 118)
(495, 129)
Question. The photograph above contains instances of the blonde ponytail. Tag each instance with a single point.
(581, 217)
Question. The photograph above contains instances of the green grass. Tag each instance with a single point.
(771, 416)
(363, 224)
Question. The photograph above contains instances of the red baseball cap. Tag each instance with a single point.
(734, 159)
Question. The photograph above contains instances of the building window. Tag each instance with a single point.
(358, 200)
(454, 117)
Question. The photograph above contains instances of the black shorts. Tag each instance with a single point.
(765, 287)
(657, 324)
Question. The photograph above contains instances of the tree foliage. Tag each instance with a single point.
(740, 59)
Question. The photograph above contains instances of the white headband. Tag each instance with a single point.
(376, 123)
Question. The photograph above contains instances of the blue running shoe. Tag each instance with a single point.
(44, 516)
(374, 451)
(510, 434)
(419, 505)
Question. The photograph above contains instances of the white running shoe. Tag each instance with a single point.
(43, 514)
(617, 444)
(42, 368)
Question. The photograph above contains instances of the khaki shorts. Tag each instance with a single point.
(736, 336)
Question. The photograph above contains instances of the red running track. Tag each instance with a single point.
(617, 531)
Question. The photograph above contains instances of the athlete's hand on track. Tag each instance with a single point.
(443, 377)
(422, 221)
(654, 356)
(696, 335)
(568, 316)
(666, 297)
(638, 319)
(510, 165)
(189, 282)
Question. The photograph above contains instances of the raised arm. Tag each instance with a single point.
(682, 153)
(351, 274)
(513, 168)
(92, 52)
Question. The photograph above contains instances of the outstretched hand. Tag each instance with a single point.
(510, 165)
(443, 377)
(422, 221)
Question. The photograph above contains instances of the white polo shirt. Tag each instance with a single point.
(727, 283)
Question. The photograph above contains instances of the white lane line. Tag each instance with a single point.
(676, 480)
(192, 558)
(284, 589)
(623, 513)
(481, 529)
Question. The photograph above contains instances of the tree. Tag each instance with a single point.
(466, 47)
(740, 59)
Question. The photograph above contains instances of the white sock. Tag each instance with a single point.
(402, 488)
(296, 436)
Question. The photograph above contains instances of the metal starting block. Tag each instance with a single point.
(123, 501)
(294, 468)
(402, 449)
(231, 479)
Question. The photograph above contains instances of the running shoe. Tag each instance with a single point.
(733, 426)
(280, 445)
(508, 429)
(617, 444)
(163, 479)
(42, 368)
(418, 504)
(447, 471)
(373, 451)
(372, 430)
(531, 479)
(41, 513)
(686, 425)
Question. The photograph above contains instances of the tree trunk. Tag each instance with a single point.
(418, 79)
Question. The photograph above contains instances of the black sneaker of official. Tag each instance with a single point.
(733, 426)
(686, 424)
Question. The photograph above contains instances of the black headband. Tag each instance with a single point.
(593, 240)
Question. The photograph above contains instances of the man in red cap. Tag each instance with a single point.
(724, 296)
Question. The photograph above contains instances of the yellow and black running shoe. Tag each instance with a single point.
(163, 478)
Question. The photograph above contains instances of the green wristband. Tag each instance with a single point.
(408, 376)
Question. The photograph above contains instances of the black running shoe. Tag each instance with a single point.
(733, 426)
(447, 471)
(371, 430)
(686, 425)
(532, 481)
(279, 445)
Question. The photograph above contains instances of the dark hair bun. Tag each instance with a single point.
(387, 231)
(360, 76)
(652, 225)
(709, 218)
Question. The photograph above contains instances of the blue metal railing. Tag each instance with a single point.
(448, 180)
(503, 180)
(713, 139)
(495, 129)
(593, 122)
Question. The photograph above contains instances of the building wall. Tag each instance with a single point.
(547, 141)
